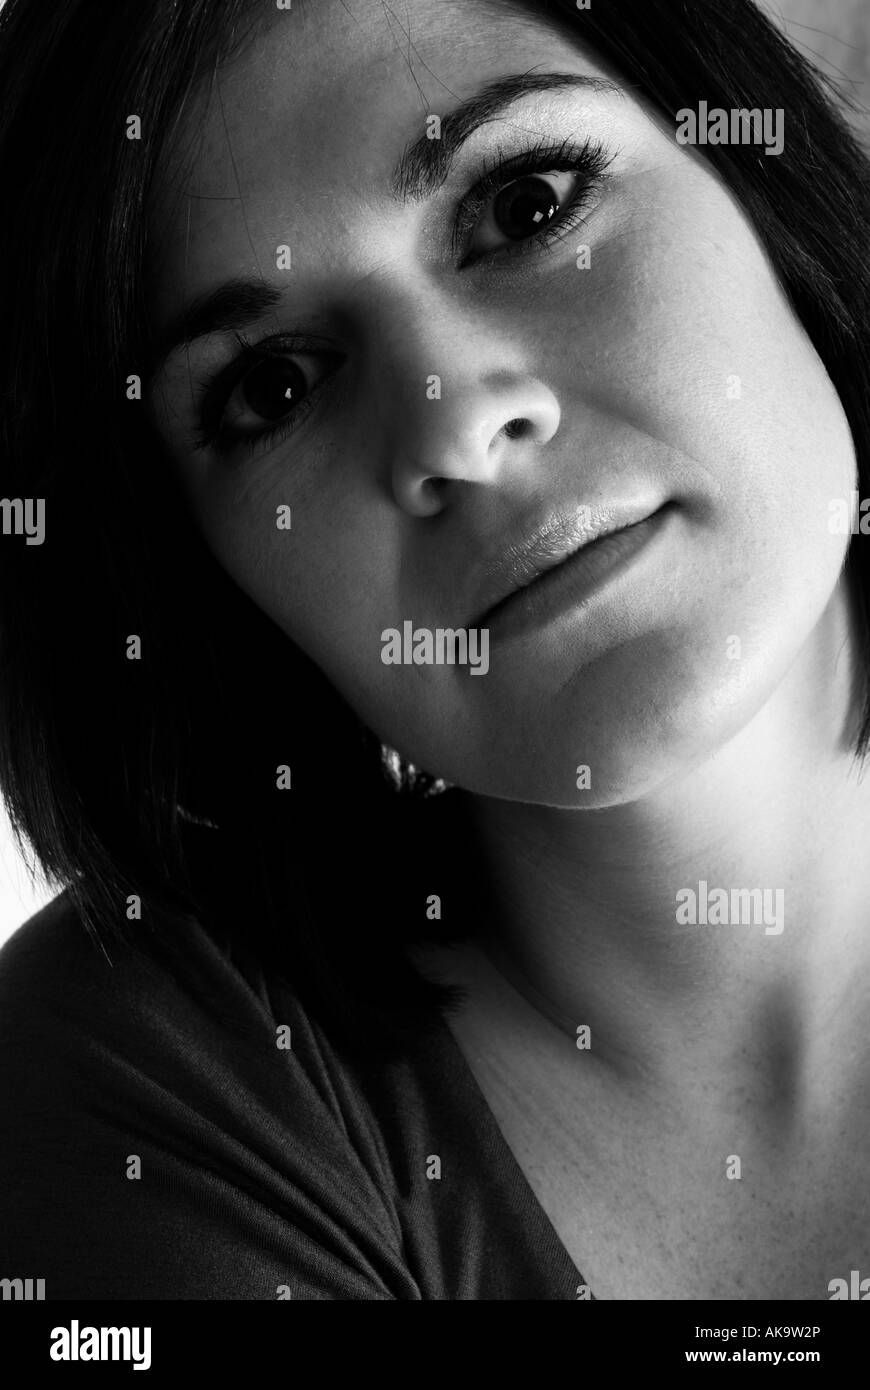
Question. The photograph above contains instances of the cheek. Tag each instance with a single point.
(683, 335)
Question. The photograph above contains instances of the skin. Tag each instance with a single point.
(708, 1041)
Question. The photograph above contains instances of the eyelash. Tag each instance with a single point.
(590, 160)
(216, 392)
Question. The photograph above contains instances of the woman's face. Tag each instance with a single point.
(428, 392)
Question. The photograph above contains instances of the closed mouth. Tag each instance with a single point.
(574, 576)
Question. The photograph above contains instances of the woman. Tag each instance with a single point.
(439, 687)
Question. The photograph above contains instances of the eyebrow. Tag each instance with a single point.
(233, 305)
(422, 168)
(426, 162)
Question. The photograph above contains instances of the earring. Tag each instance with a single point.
(406, 777)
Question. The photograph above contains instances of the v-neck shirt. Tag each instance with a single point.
(191, 1133)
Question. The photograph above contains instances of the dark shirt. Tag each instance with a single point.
(264, 1172)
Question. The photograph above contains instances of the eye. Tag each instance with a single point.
(524, 208)
(529, 200)
(267, 390)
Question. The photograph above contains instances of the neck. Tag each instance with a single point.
(590, 922)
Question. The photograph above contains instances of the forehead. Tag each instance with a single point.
(298, 134)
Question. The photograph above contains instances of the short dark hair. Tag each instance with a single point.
(157, 777)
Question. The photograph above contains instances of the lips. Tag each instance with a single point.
(562, 536)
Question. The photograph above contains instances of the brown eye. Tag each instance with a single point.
(274, 392)
(524, 207)
(273, 387)
(266, 392)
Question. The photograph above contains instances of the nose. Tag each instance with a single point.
(468, 434)
(460, 402)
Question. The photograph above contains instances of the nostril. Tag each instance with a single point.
(514, 428)
(434, 488)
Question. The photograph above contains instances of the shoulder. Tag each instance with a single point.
(174, 1125)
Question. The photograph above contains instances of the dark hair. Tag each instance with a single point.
(157, 777)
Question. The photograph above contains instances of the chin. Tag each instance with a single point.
(609, 746)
